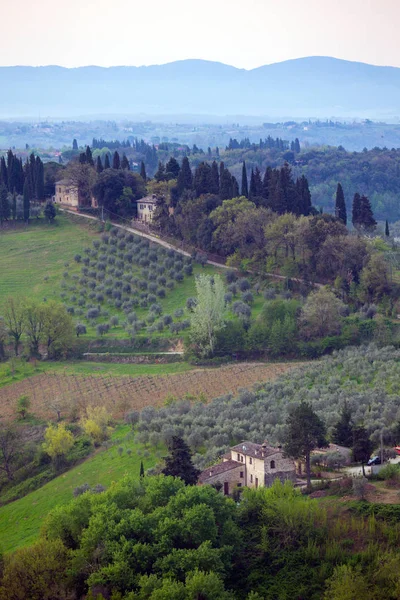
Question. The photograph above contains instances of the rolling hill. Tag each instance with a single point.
(304, 87)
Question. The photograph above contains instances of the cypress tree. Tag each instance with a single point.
(363, 217)
(214, 178)
(107, 162)
(99, 165)
(266, 183)
(89, 157)
(179, 462)
(297, 145)
(305, 195)
(342, 433)
(245, 187)
(39, 184)
(143, 171)
(160, 173)
(356, 210)
(387, 232)
(14, 206)
(3, 172)
(252, 188)
(202, 179)
(141, 469)
(185, 178)
(116, 161)
(235, 187)
(74, 144)
(172, 168)
(125, 163)
(4, 204)
(225, 183)
(340, 205)
(27, 201)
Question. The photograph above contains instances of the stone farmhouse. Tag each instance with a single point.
(67, 195)
(251, 465)
(145, 208)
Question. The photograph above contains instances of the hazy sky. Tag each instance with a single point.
(244, 33)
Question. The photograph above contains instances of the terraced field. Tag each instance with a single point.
(72, 393)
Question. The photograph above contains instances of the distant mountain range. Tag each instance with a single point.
(306, 87)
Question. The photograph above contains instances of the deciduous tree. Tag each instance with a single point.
(208, 314)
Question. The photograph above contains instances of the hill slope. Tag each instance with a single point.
(313, 86)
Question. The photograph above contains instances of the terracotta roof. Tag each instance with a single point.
(255, 450)
(218, 469)
(64, 182)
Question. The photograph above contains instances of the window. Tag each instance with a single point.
(150, 207)
(251, 478)
(59, 190)
(272, 464)
(250, 460)
(238, 457)
(241, 474)
(256, 482)
(241, 458)
(142, 207)
(239, 485)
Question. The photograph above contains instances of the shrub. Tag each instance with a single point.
(390, 472)
(156, 309)
(161, 293)
(77, 258)
(178, 313)
(228, 297)
(167, 319)
(92, 313)
(81, 489)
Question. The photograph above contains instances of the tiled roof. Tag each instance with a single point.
(255, 450)
(217, 469)
(64, 182)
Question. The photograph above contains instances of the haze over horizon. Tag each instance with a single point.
(118, 34)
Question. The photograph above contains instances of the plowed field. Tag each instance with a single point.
(72, 393)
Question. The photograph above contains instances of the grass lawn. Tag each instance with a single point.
(17, 370)
(20, 521)
(39, 251)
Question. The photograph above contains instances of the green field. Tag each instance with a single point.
(20, 521)
(39, 251)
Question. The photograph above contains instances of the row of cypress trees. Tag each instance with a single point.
(362, 216)
(25, 179)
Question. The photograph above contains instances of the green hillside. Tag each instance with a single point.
(21, 520)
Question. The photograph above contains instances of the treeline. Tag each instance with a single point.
(157, 539)
(46, 327)
(275, 189)
(268, 142)
(21, 178)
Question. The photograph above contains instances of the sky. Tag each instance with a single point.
(243, 33)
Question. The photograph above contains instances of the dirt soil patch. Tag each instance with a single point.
(49, 392)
